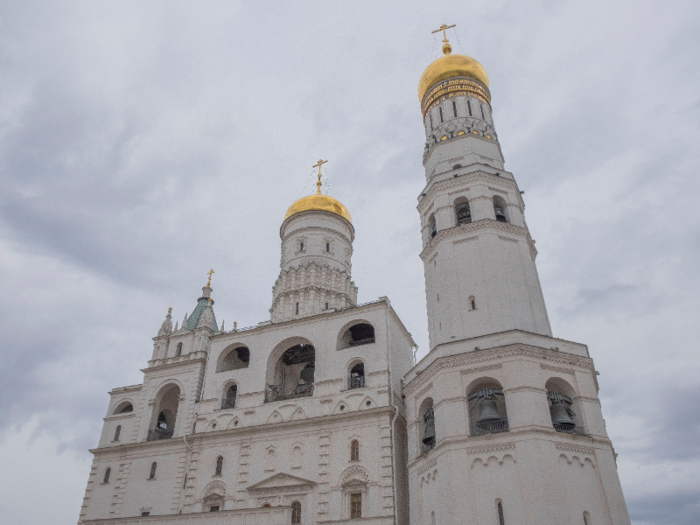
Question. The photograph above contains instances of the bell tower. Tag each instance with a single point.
(504, 422)
(478, 256)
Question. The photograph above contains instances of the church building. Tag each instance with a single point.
(321, 416)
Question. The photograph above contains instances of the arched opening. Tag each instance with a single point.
(219, 466)
(428, 435)
(233, 359)
(472, 302)
(108, 471)
(266, 506)
(357, 376)
(152, 473)
(487, 407)
(213, 502)
(500, 209)
(586, 518)
(360, 333)
(355, 505)
(123, 408)
(463, 213)
(117, 433)
(296, 512)
(293, 374)
(229, 399)
(354, 450)
(178, 350)
(167, 403)
(563, 407)
(499, 510)
(432, 226)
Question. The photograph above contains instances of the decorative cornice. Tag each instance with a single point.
(483, 224)
(575, 448)
(460, 181)
(481, 369)
(430, 464)
(486, 449)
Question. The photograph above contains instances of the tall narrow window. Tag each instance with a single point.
(355, 450)
(454, 107)
(215, 508)
(328, 247)
(463, 213)
(433, 226)
(355, 505)
(482, 111)
(230, 400)
(296, 512)
(107, 473)
(117, 432)
(219, 466)
(431, 121)
(472, 302)
(585, 519)
(178, 350)
(501, 521)
(301, 246)
(297, 309)
(152, 474)
(326, 306)
(441, 118)
(357, 376)
(469, 107)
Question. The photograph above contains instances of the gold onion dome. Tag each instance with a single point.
(450, 66)
(318, 202)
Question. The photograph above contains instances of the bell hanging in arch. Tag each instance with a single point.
(488, 411)
(429, 435)
(560, 415)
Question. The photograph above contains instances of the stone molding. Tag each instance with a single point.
(473, 177)
(311, 228)
(492, 354)
(430, 464)
(575, 448)
(481, 369)
(466, 240)
(486, 449)
(482, 224)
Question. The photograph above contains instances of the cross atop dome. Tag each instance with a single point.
(446, 47)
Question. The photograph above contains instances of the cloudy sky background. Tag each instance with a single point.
(142, 143)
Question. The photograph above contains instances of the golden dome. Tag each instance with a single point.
(318, 202)
(450, 66)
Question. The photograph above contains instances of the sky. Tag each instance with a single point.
(143, 143)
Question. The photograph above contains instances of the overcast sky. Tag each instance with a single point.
(143, 143)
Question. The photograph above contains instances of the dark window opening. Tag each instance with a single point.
(355, 450)
(456, 166)
(230, 400)
(328, 247)
(429, 435)
(499, 207)
(355, 505)
(107, 473)
(441, 118)
(463, 213)
(454, 107)
(297, 309)
(117, 432)
(433, 226)
(482, 111)
(431, 121)
(469, 107)
(214, 508)
(152, 474)
(235, 359)
(145, 513)
(127, 408)
(472, 304)
(178, 350)
(563, 416)
(219, 466)
(501, 521)
(326, 306)
(296, 512)
(361, 334)
(294, 374)
(357, 376)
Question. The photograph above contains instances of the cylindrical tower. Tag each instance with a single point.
(478, 255)
(317, 236)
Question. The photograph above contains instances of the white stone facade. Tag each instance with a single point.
(320, 415)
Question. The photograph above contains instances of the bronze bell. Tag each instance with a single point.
(500, 216)
(488, 411)
(307, 375)
(429, 435)
(560, 415)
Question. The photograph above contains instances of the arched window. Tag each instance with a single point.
(432, 226)
(463, 214)
(168, 400)
(328, 247)
(219, 466)
(124, 408)
(152, 474)
(428, 437)
(563, 407)
(108, 471)
(296, 512)
(499, 508)
(293, 374)
(454, 108)
(586, 518)
(266, 506)
(234, 359)
(472, 302)
(357, 376)
(355, 450)
(178, 350)
(499, 208)
(358, 334)
(229, 401)
(117, 432)
(487, 408)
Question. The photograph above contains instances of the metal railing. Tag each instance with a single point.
(159, 433)
(228, 403)
(568, 429)
(490, 427)
(357, 382)
(275, 392)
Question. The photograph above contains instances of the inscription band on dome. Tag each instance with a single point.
(454, 87)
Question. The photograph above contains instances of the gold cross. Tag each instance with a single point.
(318, 165)
(444, 28)
(209, 274)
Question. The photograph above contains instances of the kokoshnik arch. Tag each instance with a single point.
(320, 416)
